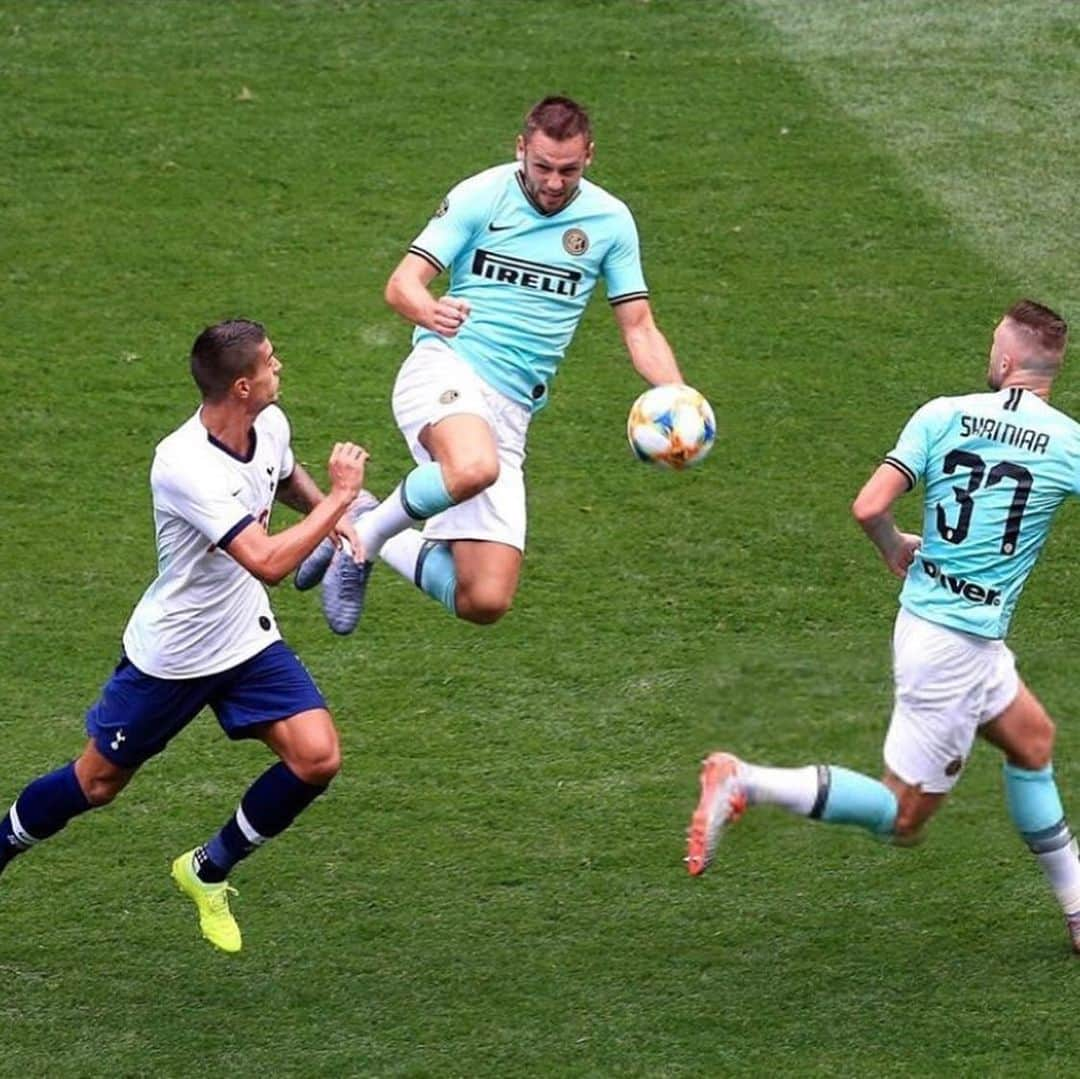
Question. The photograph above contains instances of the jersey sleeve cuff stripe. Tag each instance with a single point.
(903, 469)
(626, 297)
(427, 256)
(235, 531)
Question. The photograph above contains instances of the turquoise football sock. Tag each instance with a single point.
(435, 573)
(424, 493)
(1035, 806)
(1036, 810)
(420, 495)
(846, 797)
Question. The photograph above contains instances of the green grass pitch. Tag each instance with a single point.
(836, 201)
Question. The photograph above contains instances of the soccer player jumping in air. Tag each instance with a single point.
(203, 633)
(996, 466)
(525, 244)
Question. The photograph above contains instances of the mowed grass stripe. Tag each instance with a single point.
(976, 104)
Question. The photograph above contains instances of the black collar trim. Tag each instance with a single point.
(253, 441)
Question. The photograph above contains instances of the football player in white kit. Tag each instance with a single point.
(203, 633)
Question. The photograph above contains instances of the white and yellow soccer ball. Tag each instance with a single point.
(671, 427)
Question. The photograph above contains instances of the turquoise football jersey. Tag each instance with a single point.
(527, 274)
(996, 466)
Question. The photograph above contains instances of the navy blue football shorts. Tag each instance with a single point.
(137, 714)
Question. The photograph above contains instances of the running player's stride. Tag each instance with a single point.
(525, 244)
(996, 466)
(203, 633)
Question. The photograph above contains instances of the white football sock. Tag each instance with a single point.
(1062, 869)
(387, 519)
(401, 552)
(793, 789)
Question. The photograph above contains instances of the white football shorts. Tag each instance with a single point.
(947, 685)
(433, 383)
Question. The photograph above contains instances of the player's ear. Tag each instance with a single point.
(242, 388)
(589, 154)
(519, 148)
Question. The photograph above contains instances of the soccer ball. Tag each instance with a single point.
(671, 427)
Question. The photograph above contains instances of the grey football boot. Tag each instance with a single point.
(344, 580)
(312, 570)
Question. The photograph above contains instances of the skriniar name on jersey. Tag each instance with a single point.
(996, 467)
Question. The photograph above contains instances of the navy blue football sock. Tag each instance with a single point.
(41, 810)
(268, 807)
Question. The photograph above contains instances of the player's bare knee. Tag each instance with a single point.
(101, 790)
(1036, 750)
(907, 827)
(99, 779)
(483, 616)
(482, 607)
(470, 477)
(912, 813)
(317, 767)
(1034, 756)
(1045, 740)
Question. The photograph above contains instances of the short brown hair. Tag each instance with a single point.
(224, 352)
(559, 118)
(1048, 331)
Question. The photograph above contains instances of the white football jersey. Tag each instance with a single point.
(205, 613)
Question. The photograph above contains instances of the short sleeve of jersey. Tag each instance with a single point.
(458, 217)
(623, 275)
(202, 500)
(1075, 464)
(912, 449)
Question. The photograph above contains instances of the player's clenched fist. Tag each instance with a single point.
(346, 467)
(449, 314)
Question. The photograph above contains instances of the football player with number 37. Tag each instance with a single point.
(996, 466)
(525, 243)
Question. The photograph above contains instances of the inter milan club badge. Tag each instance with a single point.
(448, 397)
(575, 241)
(443, 207)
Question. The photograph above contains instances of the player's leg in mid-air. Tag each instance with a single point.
(936, 712)
(1024, 732)
(49, 802)
(889, 808)
(133, 719)
(970, 687)
(467, 490)
(301, 733)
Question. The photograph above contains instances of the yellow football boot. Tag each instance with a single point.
(212, 900)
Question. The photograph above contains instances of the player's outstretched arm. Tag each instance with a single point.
(272, 558)
(872, 508)
(649, 350)
(407, 293)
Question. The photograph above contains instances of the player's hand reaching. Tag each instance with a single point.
(346, 468)
(900, 556)
(448, 315)
(344, 535)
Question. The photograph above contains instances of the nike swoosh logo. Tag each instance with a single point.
(498, 228)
